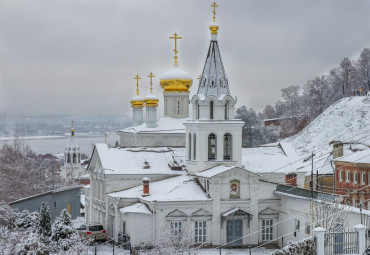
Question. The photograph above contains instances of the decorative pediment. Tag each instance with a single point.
(269, 212)
(201, 213)
(177, 213)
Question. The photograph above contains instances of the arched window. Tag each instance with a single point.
(189, 154)
(197, 110)
(227, 110)
(178, 107)
(212, 149)
(69, 158)
(74, 158)
(195, 147)
(78, 158)
(211, 110)
(228, 146)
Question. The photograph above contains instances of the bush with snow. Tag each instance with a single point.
(302, 247)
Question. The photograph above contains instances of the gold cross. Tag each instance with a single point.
(151, 83)
(200, 76)
(214, 5)
(175, 37)
(137, 78)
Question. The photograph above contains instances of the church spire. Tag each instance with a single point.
(213, 80)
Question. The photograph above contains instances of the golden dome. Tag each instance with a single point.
(137, 101)
(214, 29)
(151, 100)
(176, 80)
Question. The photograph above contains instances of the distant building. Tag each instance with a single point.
(353, 174)
(65, 198)
(72, 169)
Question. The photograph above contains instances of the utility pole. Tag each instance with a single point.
(312, 175)
(317, 179)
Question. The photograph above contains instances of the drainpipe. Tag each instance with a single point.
(153, 223)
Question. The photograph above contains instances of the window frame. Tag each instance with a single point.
(363, 178)
(228, 148)
(212, 156)
(341, 175)
(348, 176)
(355, 177)
(200, 231)
(267, 231)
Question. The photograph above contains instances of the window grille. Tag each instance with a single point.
(267, 230)
(200, 231)
(227, 147)
(212, 147)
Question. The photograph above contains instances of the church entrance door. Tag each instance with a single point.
(234, 232)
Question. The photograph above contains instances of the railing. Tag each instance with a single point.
(345, 242)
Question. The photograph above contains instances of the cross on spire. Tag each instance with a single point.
(175, 37)
(137, 78)
(214, 5)
(151, 81)
(72, 129)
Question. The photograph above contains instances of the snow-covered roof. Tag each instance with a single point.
(180, 188)
(276, 158)
(356, 157)
(135, 208)
(214, 171)
(343, 121)
(139, 160)
(164, 125)
(176, 73)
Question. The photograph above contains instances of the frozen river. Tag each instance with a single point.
(56, 144)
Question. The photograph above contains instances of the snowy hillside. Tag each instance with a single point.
(346, 120)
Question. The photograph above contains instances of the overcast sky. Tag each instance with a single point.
(80, 56)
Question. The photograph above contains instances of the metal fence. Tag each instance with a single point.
(344, 242)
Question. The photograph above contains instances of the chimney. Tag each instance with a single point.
(337, 149)
(146, 187)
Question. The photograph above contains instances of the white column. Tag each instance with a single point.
(319, 233)
(361, 230)
(151, 116)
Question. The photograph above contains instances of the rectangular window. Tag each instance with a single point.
(308, 228)
(206, 186)
(355, 176)
(348, 176)
(200, 231)
(297, 225)
(176, 229)
(363, 178)
(341, 175)
(267, 230)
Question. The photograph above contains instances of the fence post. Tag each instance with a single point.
(319, 233)
(361, 231)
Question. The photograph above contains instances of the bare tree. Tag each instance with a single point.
(363, 67)
(175, 242)
(345, 77)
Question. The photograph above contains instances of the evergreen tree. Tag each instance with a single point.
(63, 231)
(44, 222)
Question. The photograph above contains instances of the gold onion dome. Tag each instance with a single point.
(137, 101)
(176, 80)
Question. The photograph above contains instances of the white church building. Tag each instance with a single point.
(191, 172)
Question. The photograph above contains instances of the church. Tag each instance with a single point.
(188, 170)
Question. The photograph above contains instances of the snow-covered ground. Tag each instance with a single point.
(106, 249)
(345, 120)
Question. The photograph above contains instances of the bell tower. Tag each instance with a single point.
(213, 136)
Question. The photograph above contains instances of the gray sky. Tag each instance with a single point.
(80, 56)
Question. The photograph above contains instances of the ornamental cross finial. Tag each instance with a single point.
(200, 76)
(214, 5)
(137, 78)
(175, 37)
(151, 81)
(72, 129)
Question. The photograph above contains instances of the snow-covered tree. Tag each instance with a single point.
(172, 242)
(6, 216)
(316, 93)
(24, 173)
(27, 220)
(363, 67)
(345, 78)
(44, 221)
(63, 230)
